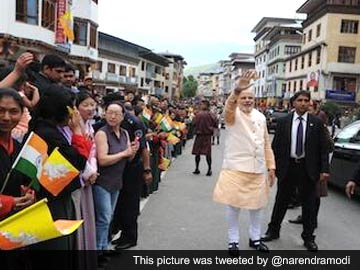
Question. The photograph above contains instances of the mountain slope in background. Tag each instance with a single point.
(199, 69)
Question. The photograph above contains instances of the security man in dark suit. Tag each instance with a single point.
(301, 158)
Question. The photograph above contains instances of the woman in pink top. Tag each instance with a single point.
(83, 198)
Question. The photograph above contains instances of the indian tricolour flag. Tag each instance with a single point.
(166, 124)
(31, 158)
(146, 115)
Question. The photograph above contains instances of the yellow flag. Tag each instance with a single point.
(172, 139)
(66, 24)
(32, 225)
(158, 118)
(57, 173)
(182, 126)
(164, 164)
(179, 125)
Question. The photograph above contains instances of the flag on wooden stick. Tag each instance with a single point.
(146, 115)
(166, 124)
(31, 158)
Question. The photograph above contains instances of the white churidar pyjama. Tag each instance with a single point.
(232, 214)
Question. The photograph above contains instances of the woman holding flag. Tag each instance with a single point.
(58, 123)
(12, 193)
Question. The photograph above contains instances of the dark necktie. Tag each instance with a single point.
(299, 138)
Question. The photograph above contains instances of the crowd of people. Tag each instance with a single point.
(120, 143)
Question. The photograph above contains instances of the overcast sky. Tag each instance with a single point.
(202, 31)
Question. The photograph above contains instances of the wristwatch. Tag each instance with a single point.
(147, 170)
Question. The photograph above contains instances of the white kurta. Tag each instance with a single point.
(243, 179)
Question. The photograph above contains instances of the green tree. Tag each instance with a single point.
(190, 86)
(331, 109)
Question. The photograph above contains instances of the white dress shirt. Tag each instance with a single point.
(294, 128)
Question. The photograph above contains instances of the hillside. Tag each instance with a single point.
(204, 68)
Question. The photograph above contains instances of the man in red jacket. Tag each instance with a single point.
(204, 123)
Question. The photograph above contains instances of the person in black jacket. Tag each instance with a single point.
(59, 128)
(11, 194)
(301, 155)
(52, 70)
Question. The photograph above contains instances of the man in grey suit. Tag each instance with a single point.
(301, 159)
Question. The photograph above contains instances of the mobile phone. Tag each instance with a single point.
(70, 111)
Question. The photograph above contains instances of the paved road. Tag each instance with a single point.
(182, 215)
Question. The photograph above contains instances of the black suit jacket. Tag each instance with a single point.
(61, 206)
(316, 156)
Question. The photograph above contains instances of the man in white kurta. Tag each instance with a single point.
(248, 169)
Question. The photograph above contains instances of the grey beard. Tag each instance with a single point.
(246, 110)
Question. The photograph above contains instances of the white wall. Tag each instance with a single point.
(117, 63)
(261, 66)
(9, 25)
(86, 9)
(5, 13)
(84, 51)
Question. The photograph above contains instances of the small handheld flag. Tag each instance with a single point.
(32, 225)
(57, 173)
